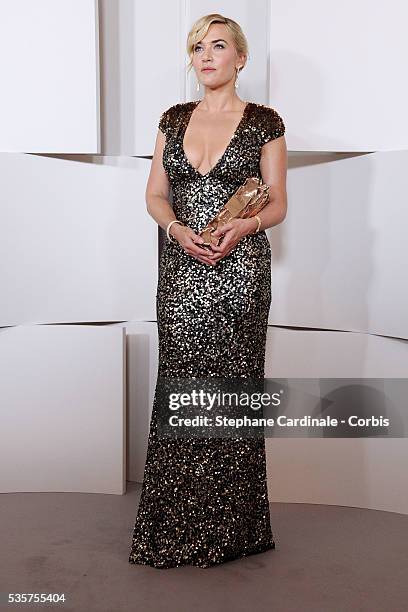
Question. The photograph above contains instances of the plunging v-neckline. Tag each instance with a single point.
(187, 121)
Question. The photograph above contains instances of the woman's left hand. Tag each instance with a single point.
(232, 232)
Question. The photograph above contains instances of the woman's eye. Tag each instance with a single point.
(217, 45)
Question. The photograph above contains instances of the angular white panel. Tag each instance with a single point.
(338, 259)
(365, 473)
(295, 353)
(141, 377)
(143, 70)
(62, 418)
(337, 73)
(361, 472)
(49, 65)
(76, 241)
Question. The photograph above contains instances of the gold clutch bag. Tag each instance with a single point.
(246, 202)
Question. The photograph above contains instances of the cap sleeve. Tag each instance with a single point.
(272, 125)
(164, 122)
(172, 119)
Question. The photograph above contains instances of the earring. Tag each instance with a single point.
(236, 79)
(198, 86)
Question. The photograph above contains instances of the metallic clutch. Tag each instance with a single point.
(246, 202)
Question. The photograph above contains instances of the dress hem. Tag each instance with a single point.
(224, 559)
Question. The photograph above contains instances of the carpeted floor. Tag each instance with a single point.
(327, 559)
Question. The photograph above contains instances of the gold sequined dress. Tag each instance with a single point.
(205, 501)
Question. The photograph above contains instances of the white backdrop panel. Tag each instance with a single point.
(361, 473)
(324, 354)
(338, 258)
(141, 377)
(317, 471)
(142, 71)
(76, 241)
(340, 66)
(49, 65)
(62, 417)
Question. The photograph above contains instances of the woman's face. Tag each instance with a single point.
(217, 51)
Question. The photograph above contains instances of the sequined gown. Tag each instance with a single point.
(205, 501)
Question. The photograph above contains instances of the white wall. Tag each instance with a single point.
(338, 259)
(49, 66)
(337, 72)
(62, 418)
(142, 71)
(76, 242)
(340, 367)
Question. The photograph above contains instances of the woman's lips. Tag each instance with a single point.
(207, 69)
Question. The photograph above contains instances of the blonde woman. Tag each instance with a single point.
(205, 501)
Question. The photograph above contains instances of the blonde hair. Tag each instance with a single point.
(200, 28)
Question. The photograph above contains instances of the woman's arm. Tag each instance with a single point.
(158, 187)
(273, 166)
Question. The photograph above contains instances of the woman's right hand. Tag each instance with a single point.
(190, 242)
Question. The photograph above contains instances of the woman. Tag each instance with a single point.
(205, 501)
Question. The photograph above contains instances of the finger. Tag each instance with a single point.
(223, 248)
(202, 257)
(222, 229)
(202, 253)
(224, 253)
(198, 249)
(217, 256)
(216, 248)
(197, 239)
(225, 239)
(206, 261)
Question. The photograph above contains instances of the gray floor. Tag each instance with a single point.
(327, 558)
